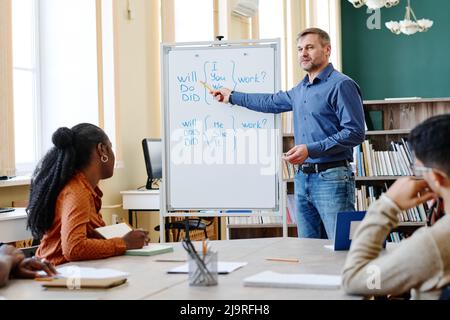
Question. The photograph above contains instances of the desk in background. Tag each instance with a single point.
(13, 226)
(140, 200)
(149, 279)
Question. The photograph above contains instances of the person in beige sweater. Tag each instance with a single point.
(422, 261)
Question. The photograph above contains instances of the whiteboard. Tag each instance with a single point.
(219, 156)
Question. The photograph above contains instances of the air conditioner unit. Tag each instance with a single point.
(245, 8)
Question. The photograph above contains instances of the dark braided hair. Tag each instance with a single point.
(71, 152)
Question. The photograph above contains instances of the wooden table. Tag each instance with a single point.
(149, 279)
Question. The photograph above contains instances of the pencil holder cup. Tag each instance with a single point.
(203, 269)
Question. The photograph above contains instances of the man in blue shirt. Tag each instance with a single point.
(328, 122)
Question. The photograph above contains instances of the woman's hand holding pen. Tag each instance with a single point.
(409, 192)
(136, 239)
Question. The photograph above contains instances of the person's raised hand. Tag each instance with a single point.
(408, 192)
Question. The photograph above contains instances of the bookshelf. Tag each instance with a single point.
(398, 117)
(389, 124)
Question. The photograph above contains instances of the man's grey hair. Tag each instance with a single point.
(323, 35)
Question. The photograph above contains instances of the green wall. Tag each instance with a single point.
(386, 65)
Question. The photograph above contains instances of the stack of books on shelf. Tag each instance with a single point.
(366, 195)
(291, 209)
(255, 220)
(395, 162)
(245, 220)
(272, 219)
(289, 170)
(396, 237)
(288, 123)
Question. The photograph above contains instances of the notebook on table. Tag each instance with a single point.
(150, 250)
(121, 229)
(74, 277)
(300, 280)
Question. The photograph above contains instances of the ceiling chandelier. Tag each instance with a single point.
(374, 4)
(408, 26)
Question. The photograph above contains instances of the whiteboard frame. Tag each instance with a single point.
(166, 209)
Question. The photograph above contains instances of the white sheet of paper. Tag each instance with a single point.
(304, 281)
(222, 267)
(114, 230)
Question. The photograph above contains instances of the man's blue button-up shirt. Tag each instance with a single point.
(328, 114)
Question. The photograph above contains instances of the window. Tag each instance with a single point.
(69, 83)
(194, 20)
(272, 25)
(25, 75)
(61, 78)
(325, 14)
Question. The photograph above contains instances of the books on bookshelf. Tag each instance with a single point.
(255, 220)
(291, 209)
(396, 237)
(395, 162)
(289, 170)
(366, 195)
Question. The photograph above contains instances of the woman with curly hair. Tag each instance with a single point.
(65, 201)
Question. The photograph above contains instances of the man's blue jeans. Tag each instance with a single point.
(319, 197)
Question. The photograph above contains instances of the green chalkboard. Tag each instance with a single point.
(386, 65)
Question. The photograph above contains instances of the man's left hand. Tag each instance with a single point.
(297, 155)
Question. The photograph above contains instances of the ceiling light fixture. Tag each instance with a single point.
(408, 26)
(374, 4)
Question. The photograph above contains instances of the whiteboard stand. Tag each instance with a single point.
(192, 121)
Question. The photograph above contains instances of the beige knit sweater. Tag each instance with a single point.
(421, 262)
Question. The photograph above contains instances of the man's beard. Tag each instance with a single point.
(310, 66)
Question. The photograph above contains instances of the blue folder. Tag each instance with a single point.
(342, 239)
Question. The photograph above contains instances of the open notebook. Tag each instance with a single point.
(74, 277)
(114, 230)
(304, 281)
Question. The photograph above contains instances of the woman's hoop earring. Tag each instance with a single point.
(104, 158)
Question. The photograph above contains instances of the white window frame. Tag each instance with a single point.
(26, 168)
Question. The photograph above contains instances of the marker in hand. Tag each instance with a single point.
(207, 86)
